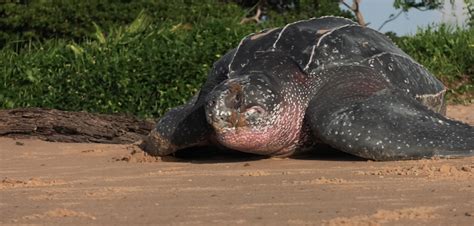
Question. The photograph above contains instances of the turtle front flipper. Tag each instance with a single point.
(186, 126)
(360, 114)
(181, 127)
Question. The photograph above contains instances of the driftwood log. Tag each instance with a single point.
(80, 127)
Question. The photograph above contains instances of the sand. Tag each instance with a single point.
(59, 183)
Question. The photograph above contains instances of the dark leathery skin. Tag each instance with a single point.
(318, 80)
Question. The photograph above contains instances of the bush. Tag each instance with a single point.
(141, 73)
(155, 63)
(448, 53)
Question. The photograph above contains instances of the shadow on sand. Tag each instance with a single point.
(208, 155)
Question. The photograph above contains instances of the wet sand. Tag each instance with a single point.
(58, 183)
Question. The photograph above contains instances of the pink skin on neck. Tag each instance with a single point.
(278, 139)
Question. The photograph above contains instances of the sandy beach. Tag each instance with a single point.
(47, 183)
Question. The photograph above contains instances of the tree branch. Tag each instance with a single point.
(356, 10)
(257, 15)
(390, 19)
(255, 18)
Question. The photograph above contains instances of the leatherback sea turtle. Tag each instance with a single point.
(324, 80)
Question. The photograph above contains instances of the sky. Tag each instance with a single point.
(376, 12)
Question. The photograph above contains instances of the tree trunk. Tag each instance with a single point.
(80, 127)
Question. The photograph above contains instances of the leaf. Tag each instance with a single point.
(78, 51)
(99, 35)
(29, 76)
(140, 23)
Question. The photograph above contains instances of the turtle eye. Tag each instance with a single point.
(255, 110)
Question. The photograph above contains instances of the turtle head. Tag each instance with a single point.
(245, 102)
(248, 114)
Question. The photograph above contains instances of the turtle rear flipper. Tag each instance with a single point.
(367, 118)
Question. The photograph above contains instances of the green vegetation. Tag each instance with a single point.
(40, 20)
(114, 64)
(448, 53)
